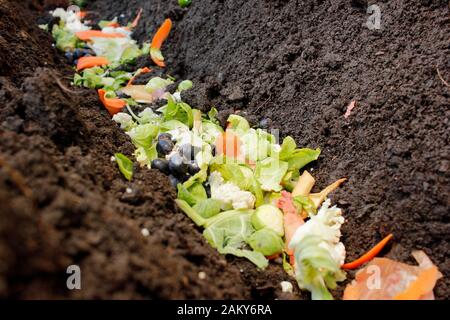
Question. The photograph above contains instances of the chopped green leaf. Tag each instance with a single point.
(125, 165)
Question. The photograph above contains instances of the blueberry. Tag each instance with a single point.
(69, 56)
(193, 168)
(164, 147)
(165, 136)
(75, 62)
(121, 20)
(177, 165)
(173, 181)
(161, 165)
(76, 53)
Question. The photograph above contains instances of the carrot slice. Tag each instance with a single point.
(136, 20)
(157, 41)
(113, 105)
(89, 62)
(89, 34)
(369, 255)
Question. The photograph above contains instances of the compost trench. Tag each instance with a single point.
(296, 65)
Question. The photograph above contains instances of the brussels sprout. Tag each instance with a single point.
(268, 216)
(266, 241)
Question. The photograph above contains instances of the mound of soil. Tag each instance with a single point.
(294, 66)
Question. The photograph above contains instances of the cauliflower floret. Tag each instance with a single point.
(71, 20)
(229, 193)
(124, 119)
(326, 225)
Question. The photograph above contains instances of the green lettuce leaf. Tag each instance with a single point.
(208, 208)
(177, 111)
(64, 39)
(125, 165)
(301, 157)
(193, 194)
(270, 172)
(143, 135)
(238, 123)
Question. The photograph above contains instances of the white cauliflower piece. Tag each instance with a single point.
(71, 20)
(124, 119)
(229, 193)
(326, 225)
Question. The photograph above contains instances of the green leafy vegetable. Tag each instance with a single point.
(190, 212)
(193, 194)
(238, 123)
(184, 85)
(64, 39)
(266, 241)
(184, 3)
(125, 165)
(305, 203)
(270, 172)
(229, 231)
(208, 208)
(301, 157)
(268, 216)
(142, 135)
(177, 111)
(287, 148)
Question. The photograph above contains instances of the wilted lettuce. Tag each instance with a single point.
(270, 172)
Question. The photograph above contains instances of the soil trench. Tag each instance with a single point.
(290, 65)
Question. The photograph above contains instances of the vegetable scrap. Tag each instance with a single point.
(369, 255)
(386, 279)
(158, 39)
(89, 62)
(248, 193)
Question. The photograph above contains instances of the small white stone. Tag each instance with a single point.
(286, 286)
(241, 270)
(128, 190)
(145, 232)
(113, 159)
(202, 275)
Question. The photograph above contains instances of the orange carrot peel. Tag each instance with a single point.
(113, 105)
(386, 279)
(89, 62)
(89, 34)
(136, 20)
(157, 41)
(369, 255)
(142, 70)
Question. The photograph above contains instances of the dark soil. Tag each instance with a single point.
(294, 65)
